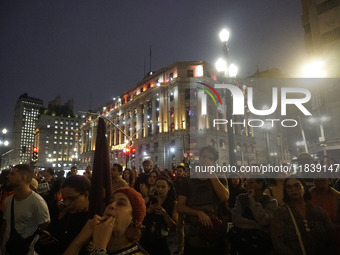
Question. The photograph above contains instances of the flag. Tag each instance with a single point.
(101, 190)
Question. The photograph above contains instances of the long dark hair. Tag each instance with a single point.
(78, 182)
(170, 199)
(306, 195)
(3, 183)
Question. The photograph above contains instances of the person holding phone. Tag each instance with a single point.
(161, 217)
(62, 230)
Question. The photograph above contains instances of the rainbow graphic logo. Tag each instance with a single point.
(204, 97)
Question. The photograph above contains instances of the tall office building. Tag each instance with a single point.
(27, 112)
(321, 22)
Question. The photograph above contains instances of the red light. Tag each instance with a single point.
(127, 150)
(35, 149)
(191, 154)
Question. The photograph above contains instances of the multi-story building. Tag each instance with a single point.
(272, 143)
(27, 112)
(321, 22)
(57, 136)
(163, 118)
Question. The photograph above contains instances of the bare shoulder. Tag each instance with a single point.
(335, 193)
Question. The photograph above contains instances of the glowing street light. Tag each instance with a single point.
(233, 69)
(221, 65)
(229, 71)
(314, 70)
(224, 35)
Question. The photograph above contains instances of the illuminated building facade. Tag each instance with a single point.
(27, 112)
(163, 119)
(57, 136)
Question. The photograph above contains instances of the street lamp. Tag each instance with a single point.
(229, 71)
(314, 69)
(4, 143)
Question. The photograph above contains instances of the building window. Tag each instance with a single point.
(222, 143)
(190, 94)
(172, 127)
(190, 73)
(172, 97)
(172, 112)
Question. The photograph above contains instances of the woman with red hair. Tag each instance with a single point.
(118, 230)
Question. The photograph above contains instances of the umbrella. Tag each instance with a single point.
(101, 190)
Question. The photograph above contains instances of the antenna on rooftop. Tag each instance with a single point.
(150, 59)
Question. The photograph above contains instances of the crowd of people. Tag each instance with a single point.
(167, 212)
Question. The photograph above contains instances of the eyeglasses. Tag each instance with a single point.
(295, 186)
(71, 199)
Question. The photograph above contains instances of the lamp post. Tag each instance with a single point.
(230, 72)
(3, 143)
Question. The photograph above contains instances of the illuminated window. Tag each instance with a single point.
(172, 97)
(190, 73)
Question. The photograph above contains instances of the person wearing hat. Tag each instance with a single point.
(118, 230)
(34, 184)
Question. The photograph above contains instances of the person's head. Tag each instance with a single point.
(34, 184)
(74, 170)
(3, 178)
(305, 158)
(128, 174)
(234, 180)
(48, 173)
(40, 174)
(75, 192)
(88, 170)
(116, 170)
(152, 178)
(128, 209)
(163, 186)
(147, 166)
(180, 171)
(61, 174)
(20, 175)
(258, 184)
(208, 155)
(294, 189)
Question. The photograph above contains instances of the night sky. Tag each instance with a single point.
(92, 51)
